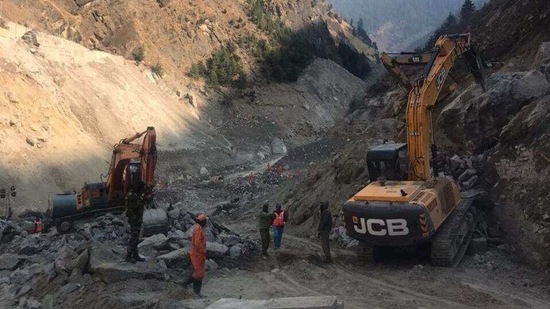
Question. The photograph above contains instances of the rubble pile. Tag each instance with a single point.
(37, 269)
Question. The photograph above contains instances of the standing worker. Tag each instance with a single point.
(325, 226)
(264, 222)
(37, 225)
(279, 219)
(135, 204)
(198, 255)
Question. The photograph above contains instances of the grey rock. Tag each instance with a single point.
(178, 226)
(203, 171)
(35, 269)
(479, 258)
(68, 289)
(30, 249)
(176, 259)
(10, 261)
(162, 264)
(110, 268)
(24, 290)
(30, 38)
(230, 240)
(118, 221)
(176, 235)
(81, 262)
(30, 140)
(32, 303)
(235, 252)
(64, 259)
(216, 250)
(157, 240)
(469, 173)
(455, 162)
(278, 146)
(211, 265)
(470, 183)
(48, 302)
(174, 213)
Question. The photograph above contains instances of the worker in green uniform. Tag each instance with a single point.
(325, 226)
(264, 224)
(135, 205)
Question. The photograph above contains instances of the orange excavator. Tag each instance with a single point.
(408, 201)
(131, 164)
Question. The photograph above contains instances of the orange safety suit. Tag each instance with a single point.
(198, 252)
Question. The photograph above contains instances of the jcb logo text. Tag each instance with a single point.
(379, 227)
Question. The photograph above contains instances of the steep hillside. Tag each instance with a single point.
(527, 25)
(396, 25)
(174, 35)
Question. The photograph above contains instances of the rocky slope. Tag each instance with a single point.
(527, 25)
(176, 34)
(507, 125)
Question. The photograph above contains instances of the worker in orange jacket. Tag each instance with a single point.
(198, 255)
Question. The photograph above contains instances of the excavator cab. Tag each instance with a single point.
(388, 161)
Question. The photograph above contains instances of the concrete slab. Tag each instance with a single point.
(312, 302)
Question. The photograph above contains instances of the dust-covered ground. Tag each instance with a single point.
(404, 279)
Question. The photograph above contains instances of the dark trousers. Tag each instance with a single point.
(265, 238)
(325, 243)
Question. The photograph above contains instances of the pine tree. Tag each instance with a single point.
(450, 24)
(466, 12)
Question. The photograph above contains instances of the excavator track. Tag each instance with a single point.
(453, 237)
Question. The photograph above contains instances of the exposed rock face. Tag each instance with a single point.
(509, 123)
(475, 120)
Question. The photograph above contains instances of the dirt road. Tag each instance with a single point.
(297, 270)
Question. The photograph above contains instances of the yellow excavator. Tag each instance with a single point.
(408, 202)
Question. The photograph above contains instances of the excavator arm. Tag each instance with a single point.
(424, 95)
(393, 62)
(125, 152)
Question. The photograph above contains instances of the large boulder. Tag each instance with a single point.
(216, 250)
(278, 146)
(474, 119)
(110, 267)
(156, 241)
(10, 261)
(176, 259)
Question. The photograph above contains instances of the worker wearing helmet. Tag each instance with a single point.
(198, 255)
(135, 204)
